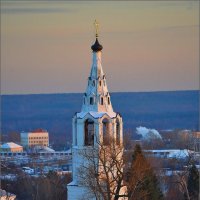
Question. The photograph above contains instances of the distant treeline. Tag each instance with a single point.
(53, 112)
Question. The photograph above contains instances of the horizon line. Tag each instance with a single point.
(15, 94)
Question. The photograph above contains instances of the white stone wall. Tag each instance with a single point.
(78, 193)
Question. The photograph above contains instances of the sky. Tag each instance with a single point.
(147, 45)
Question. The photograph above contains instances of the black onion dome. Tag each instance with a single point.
(96, 46)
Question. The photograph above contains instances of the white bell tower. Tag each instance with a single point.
(94, 122)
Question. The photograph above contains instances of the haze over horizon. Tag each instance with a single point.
(148, 46)
(81, 92)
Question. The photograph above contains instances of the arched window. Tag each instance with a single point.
(101, 100)
(93, 82)
(108, 100)
(91, 100)
(105, 131)
(89, 132)
(100, 83)
(117, 132)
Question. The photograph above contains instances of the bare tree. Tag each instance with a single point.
(179, 177)
(102, 173)
(109, 173)
(14, 137)
(50, 187)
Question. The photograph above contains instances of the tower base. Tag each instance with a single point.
(77, 192)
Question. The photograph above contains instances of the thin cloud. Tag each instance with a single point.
(28, 10)
(179, 27)
(166, 28)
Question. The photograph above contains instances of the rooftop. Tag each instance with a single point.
(10, 145)
(38, 130)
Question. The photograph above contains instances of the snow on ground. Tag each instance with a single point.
(171, 153)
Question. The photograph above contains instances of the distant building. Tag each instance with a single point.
(11, 147)
(43, 149)
(6, 195)
(170, 153)
(38, 137)
(196, 141)
(196, 134)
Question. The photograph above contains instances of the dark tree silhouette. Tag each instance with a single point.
(193, 183)
(142, 182)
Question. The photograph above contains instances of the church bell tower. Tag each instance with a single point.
(95, 121)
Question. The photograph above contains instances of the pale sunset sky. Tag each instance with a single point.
(147, 45)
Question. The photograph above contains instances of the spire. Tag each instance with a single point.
(96, 46)
(96, 25)
(97, 97)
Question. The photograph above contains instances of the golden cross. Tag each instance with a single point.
(96, 24)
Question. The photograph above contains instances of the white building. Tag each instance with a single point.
(11, 147)
(35, 138)
(95, 121)
(170, 153)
